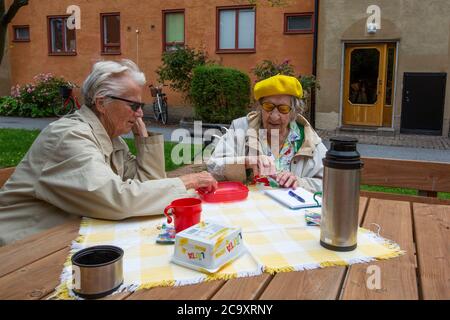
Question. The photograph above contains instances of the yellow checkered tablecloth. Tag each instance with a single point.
(277, 240)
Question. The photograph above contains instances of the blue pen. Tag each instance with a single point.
(296, 196)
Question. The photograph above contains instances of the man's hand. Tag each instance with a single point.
(139, 129)
(287, 180)
(261, 165)
(200, 180)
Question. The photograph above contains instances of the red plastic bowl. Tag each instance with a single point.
(225, 192)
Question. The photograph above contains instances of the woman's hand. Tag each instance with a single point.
(287, 180)
(200, 180)
(261, 165)
(139, 129)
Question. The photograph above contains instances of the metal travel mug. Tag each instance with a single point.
(340, 202)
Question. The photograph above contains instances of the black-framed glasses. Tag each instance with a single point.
(133, 104)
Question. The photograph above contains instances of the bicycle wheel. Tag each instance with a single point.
(63, 107)
(156, 112)
(164, 112)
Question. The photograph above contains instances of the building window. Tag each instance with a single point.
(62, 40)
(295, 23)
(110, 30)
(21, 33)
(236, 29)
(173, 27)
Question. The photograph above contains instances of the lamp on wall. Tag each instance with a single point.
(372, 28)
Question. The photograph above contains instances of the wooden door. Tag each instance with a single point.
(364, 89)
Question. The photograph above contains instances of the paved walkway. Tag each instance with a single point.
(399, 140)
(412, 147)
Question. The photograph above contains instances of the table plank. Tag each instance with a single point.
(312, 284)
(243, 288)
(398, 275)
(202, 291)
(21, 253)
(35, 280)
(318, 284)
(432, 229)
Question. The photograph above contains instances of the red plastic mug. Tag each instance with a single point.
(186, 212)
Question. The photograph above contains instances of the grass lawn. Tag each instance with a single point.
(16, 142)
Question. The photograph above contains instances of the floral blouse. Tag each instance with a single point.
(290, 147)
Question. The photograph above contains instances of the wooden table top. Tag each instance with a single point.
(30, 269)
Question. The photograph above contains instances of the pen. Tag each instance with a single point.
(296, 196)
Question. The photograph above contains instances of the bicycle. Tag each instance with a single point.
(160, 106)
(66, 102)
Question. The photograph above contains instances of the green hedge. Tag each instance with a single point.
(219, 94)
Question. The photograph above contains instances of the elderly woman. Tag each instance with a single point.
(276, 140)
(80, 166)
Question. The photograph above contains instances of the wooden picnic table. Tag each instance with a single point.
(30, 269)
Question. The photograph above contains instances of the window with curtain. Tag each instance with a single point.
(236, 29)
(61, 39)
(110, 33)
(173, 29)
(21, 33)
(298, 23)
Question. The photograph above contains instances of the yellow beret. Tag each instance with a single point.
(277, 85)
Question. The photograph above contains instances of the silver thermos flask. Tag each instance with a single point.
(340, 201)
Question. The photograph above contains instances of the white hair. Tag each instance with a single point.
(109, 78)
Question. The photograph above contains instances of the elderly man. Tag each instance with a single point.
(80, 166)
(276, 140)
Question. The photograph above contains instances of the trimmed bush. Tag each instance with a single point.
(219, 94)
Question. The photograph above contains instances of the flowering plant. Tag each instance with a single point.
(35, 99)
(269, 68)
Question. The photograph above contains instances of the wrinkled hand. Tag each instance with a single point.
(200, 180)
(139, 129)
(261, 165)
(287, 180)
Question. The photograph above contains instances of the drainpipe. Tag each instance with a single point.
(314, 61)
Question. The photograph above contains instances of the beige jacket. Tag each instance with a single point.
(74, 169)
(227, 161)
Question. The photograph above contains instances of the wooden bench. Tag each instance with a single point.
(5, 174)
(428, 178)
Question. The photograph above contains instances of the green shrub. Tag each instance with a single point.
(9, 106)
(35, 99)
(177, 67)
(269, 68)
(219, 94)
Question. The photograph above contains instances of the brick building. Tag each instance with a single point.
(233, 32)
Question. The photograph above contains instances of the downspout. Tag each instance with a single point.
(314, 61)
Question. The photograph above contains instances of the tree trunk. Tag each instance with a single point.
(5, 18)
(2, 41)
(2, 30)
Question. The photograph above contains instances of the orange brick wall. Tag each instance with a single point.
(30, 58)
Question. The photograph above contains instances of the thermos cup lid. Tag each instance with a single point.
(343, 154)
(97, 271)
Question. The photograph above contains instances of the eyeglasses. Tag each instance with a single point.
(282, 108)
(132, 104)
